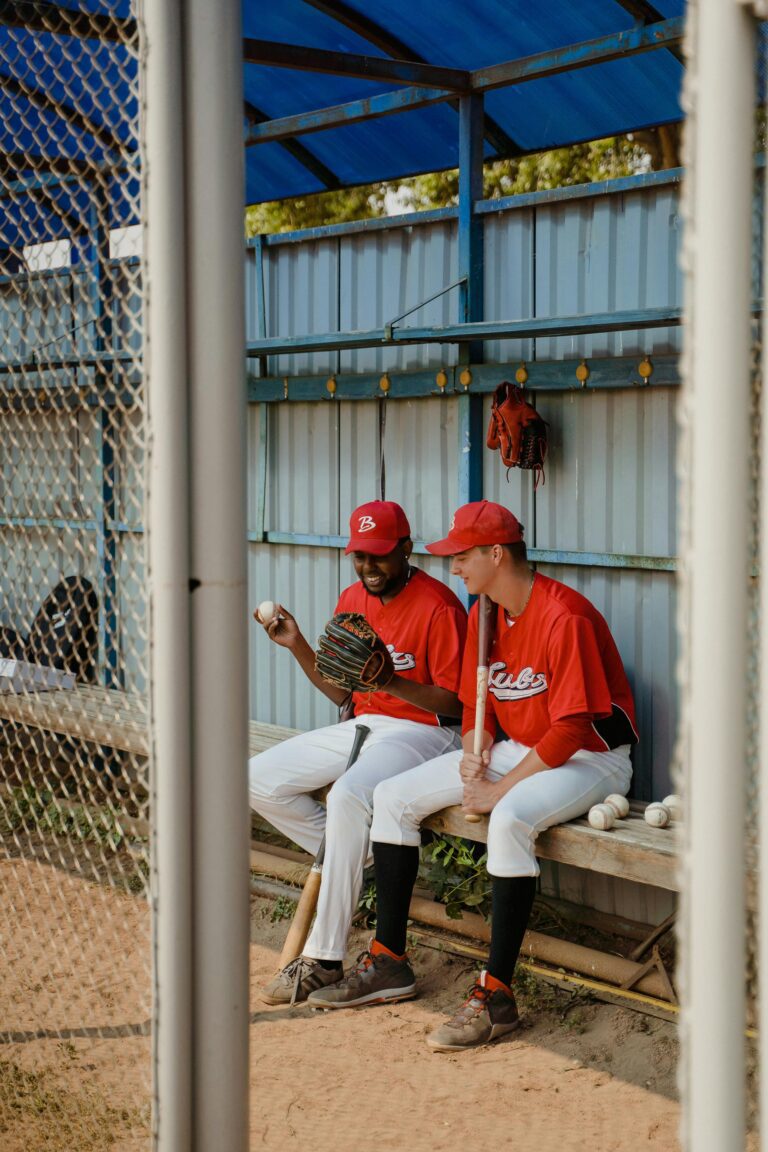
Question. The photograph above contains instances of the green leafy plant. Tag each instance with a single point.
(282, 909)
(458, 875)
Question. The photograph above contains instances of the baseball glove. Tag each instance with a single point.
(352, 655)
(517, 430)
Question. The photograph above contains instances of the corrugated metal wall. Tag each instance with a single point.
(52, 515)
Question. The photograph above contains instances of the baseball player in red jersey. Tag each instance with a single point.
(559, 700)
(423, 625)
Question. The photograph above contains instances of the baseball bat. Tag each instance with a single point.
(305, 909)
(485, 610)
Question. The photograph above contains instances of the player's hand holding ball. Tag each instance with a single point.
(266, 612)
(278, 623)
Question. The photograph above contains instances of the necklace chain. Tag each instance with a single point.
(515, 615)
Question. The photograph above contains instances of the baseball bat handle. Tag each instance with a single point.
(485, 613)
(477, 740)
(305, 909)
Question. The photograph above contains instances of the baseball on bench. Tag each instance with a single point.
(675, 805)
(266, 612)
(657, 815)
(602, 816)
(620, 804)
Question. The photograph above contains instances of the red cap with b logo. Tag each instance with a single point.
(377, 527)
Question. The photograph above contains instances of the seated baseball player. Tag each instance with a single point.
(411, 707)
(559, 694)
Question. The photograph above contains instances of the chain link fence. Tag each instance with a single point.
(75, 998)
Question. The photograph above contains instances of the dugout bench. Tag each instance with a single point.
(631, 850)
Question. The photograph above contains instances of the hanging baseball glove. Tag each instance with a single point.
(517, 431)
(352, 655)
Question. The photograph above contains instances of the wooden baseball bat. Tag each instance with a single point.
(485, 612)
(305, 909)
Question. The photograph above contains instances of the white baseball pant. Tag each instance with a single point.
(281, 779)
(551, 797)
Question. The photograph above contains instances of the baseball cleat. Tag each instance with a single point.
(375, 979)
(483, 1017)
(293, 984)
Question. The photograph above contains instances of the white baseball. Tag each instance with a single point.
(602, 816)
(620, 804)
(266, 611)
(657, 815)
(675, 805)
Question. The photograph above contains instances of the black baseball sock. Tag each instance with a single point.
(511, 903)
(396, 866)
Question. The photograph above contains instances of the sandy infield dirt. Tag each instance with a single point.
(75, 1005)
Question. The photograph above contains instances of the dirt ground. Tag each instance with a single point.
(577, 1076)
(75, 1048)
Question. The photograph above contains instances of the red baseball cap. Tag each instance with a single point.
(481, 522)
(377, 527)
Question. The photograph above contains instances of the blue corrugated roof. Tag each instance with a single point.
(88, 113)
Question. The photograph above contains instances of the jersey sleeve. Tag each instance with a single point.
(445, 645)
(578, 683)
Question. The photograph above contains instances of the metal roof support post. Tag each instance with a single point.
(472, 271)
(723, 40)
(193, 212)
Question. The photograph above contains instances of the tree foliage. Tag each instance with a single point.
(578, 164)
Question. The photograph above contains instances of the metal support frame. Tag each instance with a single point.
(471, 291)
(432, 85)
(720, 201)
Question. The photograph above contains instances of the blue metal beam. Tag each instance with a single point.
(383, 39)
(520, 201)
(629, 320)
(665, 34)
(339, 115)
(377, 68)
(471, 249)
(618, 45)
(544, 376)
(539, 555)
(299, 151)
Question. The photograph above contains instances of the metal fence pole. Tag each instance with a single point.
(216, 341)
(195, 354)
(719, 317)
(164, 274)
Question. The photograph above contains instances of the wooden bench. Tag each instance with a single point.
(631, 850)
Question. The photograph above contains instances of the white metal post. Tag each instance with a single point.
(719, 358)
(221, 817)
(193, 209)
(165, 304)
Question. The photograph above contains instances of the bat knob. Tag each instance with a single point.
(472, 817)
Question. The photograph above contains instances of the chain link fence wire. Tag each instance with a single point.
(75, 998)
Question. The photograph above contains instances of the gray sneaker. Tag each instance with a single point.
(375, 979)
(293, 984)
(483, 1017)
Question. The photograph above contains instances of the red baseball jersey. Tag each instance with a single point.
(557, 659)
(424, 627)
